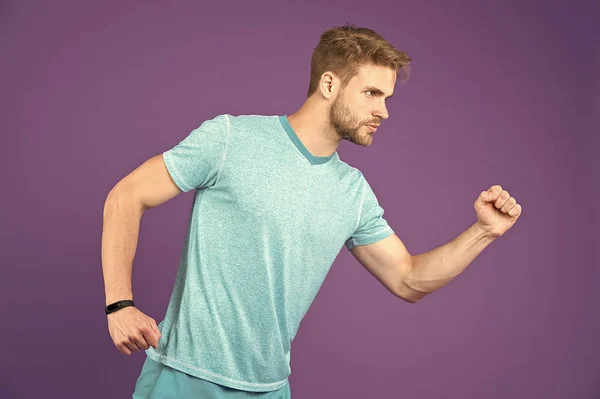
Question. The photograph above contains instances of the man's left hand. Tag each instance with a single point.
(496, 211)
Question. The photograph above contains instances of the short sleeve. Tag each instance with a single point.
(197, 160)
(371, 226)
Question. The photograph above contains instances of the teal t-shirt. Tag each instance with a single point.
(268, 220)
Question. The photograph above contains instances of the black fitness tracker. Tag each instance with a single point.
(113, 307)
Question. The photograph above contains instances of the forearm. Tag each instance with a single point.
(121, 226)
(434, 269)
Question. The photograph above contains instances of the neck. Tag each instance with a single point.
(311, 125)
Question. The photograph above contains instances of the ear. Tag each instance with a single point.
(328, 84)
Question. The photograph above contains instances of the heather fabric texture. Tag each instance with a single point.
(161, 381)
(267, 221)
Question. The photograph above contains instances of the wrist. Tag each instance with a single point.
(114, 298)
(118, 305)
(483, 232)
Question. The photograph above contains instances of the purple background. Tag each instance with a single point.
(500, 94)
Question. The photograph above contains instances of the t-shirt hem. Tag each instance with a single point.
(213, 377)
(183, 186)
(369, 240)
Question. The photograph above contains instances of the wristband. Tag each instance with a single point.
(113, 307)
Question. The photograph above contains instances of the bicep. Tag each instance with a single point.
(150, 184)
(388, 261)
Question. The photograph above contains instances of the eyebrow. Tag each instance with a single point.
(376, 90)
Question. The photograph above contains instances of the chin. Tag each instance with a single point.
(365, 141)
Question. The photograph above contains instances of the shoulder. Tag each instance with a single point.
(350, 172)
(249, 121)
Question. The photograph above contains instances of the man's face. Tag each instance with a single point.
(362, 103)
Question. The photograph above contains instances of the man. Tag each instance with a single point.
(273, 206)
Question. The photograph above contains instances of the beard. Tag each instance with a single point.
(347, 126)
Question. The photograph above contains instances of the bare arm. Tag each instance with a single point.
(388, 261)
(413, 277)
(432, 270)
(146, 187)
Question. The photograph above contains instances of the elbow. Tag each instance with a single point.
(414, 296)
(119, 200)
(411, 295)
(410, 300)
(407, 294)
(404, 290)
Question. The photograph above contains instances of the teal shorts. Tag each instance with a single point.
(158, 381)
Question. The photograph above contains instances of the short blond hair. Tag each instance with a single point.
(342, 50)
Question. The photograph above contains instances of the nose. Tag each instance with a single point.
(382, 112)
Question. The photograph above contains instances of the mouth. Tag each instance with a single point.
(372, 128)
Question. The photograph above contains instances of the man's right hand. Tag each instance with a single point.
(132, 331)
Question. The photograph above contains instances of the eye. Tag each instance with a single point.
(372, 93)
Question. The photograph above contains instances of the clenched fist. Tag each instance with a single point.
(132, 331)
(496, 210)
